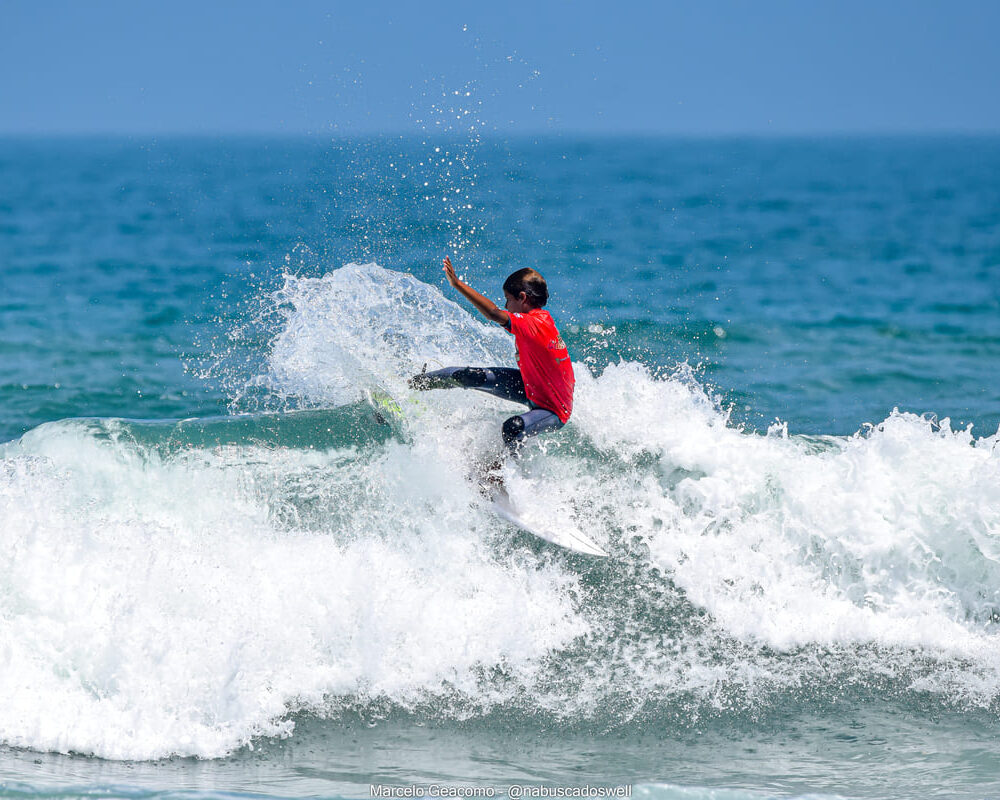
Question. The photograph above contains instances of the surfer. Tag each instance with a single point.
(544, 379)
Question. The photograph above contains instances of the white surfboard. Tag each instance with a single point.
(562, 534)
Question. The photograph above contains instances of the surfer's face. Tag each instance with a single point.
(517, 305)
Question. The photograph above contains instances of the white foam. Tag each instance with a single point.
(362, 325)
(155, 607)
(155, 604)
(888, 537)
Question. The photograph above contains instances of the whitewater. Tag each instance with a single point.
(192, 587)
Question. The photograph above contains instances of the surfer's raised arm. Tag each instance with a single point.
(484, 305)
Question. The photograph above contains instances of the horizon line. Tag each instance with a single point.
(874, 133)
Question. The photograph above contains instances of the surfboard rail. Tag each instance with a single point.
(565, 537)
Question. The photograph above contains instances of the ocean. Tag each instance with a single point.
(229, 567)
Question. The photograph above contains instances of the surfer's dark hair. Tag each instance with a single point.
(531, 283)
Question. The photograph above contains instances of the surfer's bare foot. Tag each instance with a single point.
(430, 380)
(421, 382)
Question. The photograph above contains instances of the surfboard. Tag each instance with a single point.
(384, 404)
(565, 535)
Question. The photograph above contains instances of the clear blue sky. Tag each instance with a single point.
(615, 66)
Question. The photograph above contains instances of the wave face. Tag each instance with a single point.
(186, 587)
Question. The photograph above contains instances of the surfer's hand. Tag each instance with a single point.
(449, 272)
(484, 305)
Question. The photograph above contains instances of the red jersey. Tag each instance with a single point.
(544, 362)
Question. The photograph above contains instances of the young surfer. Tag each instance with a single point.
(544, 379)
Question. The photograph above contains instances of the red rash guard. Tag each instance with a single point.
(544, 362)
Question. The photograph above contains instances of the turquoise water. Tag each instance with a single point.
(226, 570)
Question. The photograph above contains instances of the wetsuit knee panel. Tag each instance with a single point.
(513, 431)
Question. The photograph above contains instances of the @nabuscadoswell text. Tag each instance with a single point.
(513, 791)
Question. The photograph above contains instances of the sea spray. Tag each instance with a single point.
(178, 588)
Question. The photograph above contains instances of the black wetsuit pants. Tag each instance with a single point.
(503, 382)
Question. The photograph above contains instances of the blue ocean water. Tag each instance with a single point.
(225, 570)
